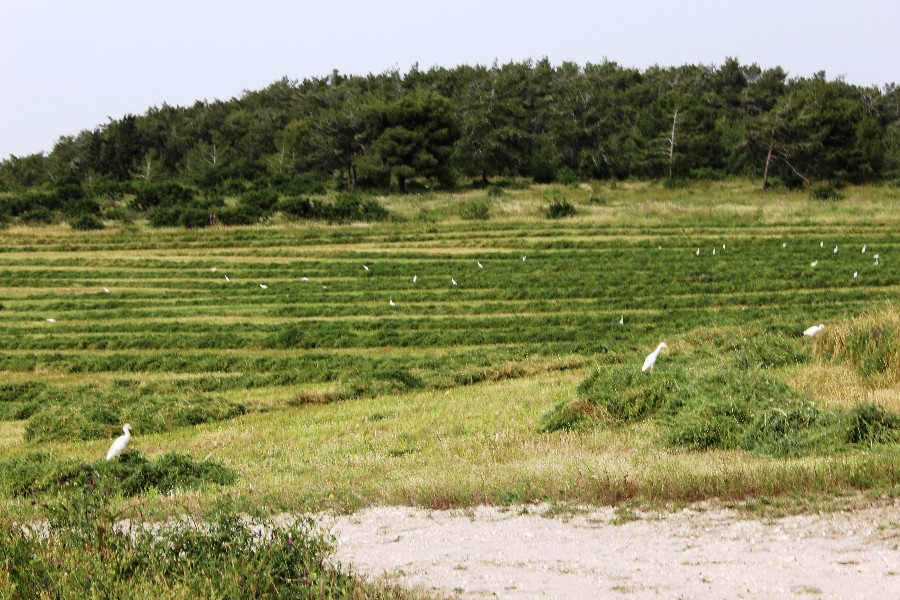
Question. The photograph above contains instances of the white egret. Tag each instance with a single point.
(835, 249)
(714, 251)
(51, 320)
(864, 249)
(226, 278)
(415, 278)
(453, 281)
(813, 264)
(480, 266)
(784, 244)
(365, 268)
(698, 251)
(821, 244)
(213, 270)
(622, 320)
(304, 279)
(814, 330)
(723, 246)
(119, 444)
(524, 257)
(855, 273)
(105, 290)
(651, 358)
(263, 286)
(391, 302)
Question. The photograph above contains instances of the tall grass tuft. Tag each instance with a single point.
(869, 343)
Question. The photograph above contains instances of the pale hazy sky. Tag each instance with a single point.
(68, 65)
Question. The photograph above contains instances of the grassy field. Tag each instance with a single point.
(516, 384)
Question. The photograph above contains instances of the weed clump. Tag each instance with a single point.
(869, 343)
(131, 474)
(737, 403)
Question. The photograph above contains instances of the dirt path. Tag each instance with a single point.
(695, 553)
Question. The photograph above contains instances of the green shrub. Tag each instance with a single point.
(871, 424)
(825, 191)
(86, 223)
(475, 209)
(300, 208)
(262, 201)
(559, 209)
(153, 195)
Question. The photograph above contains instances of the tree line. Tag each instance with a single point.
(441, 127)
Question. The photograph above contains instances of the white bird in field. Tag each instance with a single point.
(784, 244)
(213, 270)
(698, 251)
(864, 249)
(723, 246)
(391, 302)
(453, 281)
(226, 278)
(105, 290)
(835, 249)
(119, 444)
(855, 273)
(51, 320)
(714, 251)
(415, 278)
(263, 286)
(480, 266)
(813, 264)
(821, 244)
(622, 320)
(651, 358)
(304, 279)
(524, 257)
(814, 330)
(365, 268)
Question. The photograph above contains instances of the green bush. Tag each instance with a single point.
(86, 223)
(871, 424)
(153, 195)
(475, 209)
(825, 191)
(559, 209)
(300, 208)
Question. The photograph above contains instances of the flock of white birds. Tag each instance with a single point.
(122, 441)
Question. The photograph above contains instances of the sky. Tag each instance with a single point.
(70, 65)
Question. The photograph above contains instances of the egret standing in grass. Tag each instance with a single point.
(651, 358)
(120, 443)
(622, 320)
(51, 320)
(814, 330)
(391, 302)
(480, 266)
(263, 286)
(365, 268)
(864, 249)
(453, 281)
(415, 278)
(813, 264)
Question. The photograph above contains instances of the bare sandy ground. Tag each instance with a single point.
(694, 553)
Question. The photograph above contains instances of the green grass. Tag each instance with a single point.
(524, 384)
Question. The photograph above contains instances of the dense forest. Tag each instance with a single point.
(469, 124)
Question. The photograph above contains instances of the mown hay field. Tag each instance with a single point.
(276, 351)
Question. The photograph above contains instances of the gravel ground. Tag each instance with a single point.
(694, 553)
